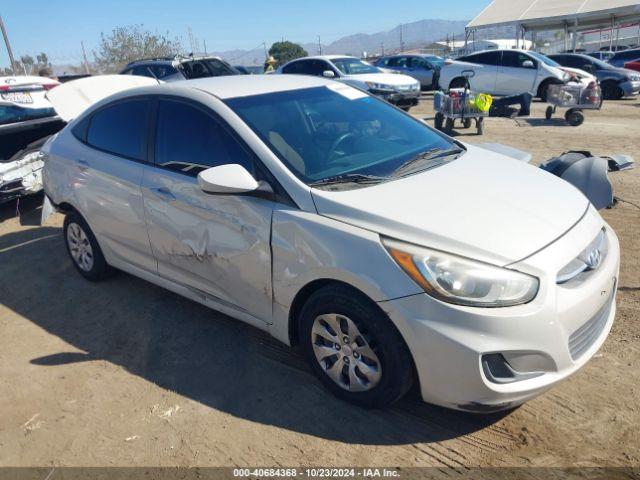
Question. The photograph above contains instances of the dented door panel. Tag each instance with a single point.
(218, 245)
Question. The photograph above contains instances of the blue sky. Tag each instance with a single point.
(57, 26)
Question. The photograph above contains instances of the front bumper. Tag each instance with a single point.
(400, 99)
(630, 89)
(448, 342)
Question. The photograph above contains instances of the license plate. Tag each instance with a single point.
(17, 97)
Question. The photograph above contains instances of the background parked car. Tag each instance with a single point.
(615, 82)
(398, 89)
(424, 68)
(635, 65)
(503, 72)
(171, 69)
(624, 56)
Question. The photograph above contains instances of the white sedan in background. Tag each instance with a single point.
(505, 72)
(398, 89)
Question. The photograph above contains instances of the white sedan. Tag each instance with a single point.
(391, 253)
(398, 89)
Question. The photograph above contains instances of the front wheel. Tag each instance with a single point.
(353, 348)
(548, 112)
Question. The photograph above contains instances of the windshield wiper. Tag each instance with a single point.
(349, 178)
(424, 160)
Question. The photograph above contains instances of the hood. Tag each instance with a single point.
(72, 98)
(394, 79)
(483, 205)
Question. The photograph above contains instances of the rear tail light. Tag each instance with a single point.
(49, 86)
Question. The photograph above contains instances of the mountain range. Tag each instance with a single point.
(414, 34)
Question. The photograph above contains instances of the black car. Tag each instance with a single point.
(615, 82)
(171, 69)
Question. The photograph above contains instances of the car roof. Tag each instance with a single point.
(246, 85)
(326, 57)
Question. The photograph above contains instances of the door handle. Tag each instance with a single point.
(164, 193)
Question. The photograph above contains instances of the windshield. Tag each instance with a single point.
(353, 66)
(337, 130)
(600, 65)
(13, 114)
(544, 59)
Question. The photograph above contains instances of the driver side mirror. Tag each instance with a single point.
(528, 64)
(328, 74)
(227, 179)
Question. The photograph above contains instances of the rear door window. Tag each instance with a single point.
(121, 129)
(189, 140)
(485, 58)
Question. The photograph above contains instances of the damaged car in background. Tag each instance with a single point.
(390, 253)
(27, 119)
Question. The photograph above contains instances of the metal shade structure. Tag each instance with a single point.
(541, 15)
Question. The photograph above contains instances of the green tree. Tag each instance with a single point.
(133, 42)
(286, 51)
(27, 62)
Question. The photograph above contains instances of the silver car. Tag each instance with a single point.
(390, 253)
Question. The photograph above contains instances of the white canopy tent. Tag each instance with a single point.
(567, 15)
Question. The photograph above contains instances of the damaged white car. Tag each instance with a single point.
(27, 119)
(390, 253)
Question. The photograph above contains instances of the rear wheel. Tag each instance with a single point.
(83, 248)
(448, 124)
(458, 82)
(353, 348)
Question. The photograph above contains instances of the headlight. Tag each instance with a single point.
(460, 280)
(380, 86)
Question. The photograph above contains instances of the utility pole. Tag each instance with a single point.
(84, 55)
(205, 46)
(319, 46)
(401, 40)
(382, 48)
(6, 42)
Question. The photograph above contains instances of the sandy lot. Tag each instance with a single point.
(125, 373)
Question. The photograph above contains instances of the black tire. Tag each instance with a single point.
(396, 365)
(458, 82)
(466, 123)
(448, 124)
(480, 126)
(548, 112)
(544, 87)
(574, 118)
(438, 121)
(99, 269)
(406, 108)
(611, 91)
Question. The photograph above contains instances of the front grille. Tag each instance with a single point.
(589, 332)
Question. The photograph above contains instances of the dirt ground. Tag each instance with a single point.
(125, 373)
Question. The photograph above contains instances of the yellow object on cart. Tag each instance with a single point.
(482, 102)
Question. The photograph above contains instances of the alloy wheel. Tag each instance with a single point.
(344, 353)
(80, 247)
